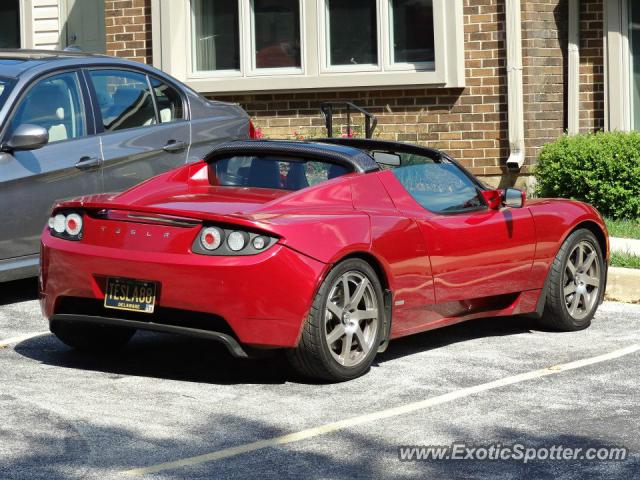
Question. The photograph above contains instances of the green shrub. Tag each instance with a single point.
(602, 169)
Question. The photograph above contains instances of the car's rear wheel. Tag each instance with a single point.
(96, 338)
(576, 283)
(342, 333)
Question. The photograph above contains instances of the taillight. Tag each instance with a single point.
(73, 224)
(211, 238)
(67, 225)
(230, 242)
(253, 134)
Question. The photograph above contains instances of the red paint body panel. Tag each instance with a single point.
(252, 294)
(476, 254)
(555, 220)
(440, 269)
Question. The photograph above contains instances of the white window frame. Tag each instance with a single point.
(389, 63)
(617, 72)
(253, 70)
(192, 50)
(172, 26)
(324, 26)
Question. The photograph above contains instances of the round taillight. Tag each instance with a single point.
(59, 223)
(237, 241)
(260, 242)
(73, 224)
(211, 238)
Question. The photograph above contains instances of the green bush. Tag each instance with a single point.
(602, 169)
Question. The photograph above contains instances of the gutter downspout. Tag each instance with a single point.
(573, 48)
(515, 101)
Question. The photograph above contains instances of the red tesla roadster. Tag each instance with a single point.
(326, 249)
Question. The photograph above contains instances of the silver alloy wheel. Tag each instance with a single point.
(581, 282)
(351, 318)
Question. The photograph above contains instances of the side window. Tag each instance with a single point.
(55, 104)
(124, 99)
(274, 172)
(169, 101)
(318, 172)
(439, 187)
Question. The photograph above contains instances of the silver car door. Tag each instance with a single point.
(138, 141)
(214, 122)
(67, 166)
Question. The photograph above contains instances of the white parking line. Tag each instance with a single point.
(382, 414)
(7, 342)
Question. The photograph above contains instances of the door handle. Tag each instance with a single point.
(87, 163)
(174, 146)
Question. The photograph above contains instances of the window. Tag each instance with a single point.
(274, 172)
(274, 27)
(261, 45)
(411, 42)
(217, 35)
(276, 31)
(438, 187)
(169, 101)
(352, 32)
(5, 88)
(124, 99)
(55, 104)
(10, 31)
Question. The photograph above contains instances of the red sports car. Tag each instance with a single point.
(326, 249)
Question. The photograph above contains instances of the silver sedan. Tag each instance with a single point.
(76, 124)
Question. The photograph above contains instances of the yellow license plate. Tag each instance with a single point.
(130, 295)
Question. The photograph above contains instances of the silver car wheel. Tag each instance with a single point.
(582, 277)
(351, 318)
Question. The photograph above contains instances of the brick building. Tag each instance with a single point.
(486, 80)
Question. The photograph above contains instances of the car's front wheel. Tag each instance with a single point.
(95, 338)
(342, 333)
(576, 283)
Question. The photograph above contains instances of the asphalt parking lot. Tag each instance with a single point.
(170, 399)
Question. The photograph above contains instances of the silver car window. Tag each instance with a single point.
(169, 101)
(5, 88)
(124, 98)
(54, 103)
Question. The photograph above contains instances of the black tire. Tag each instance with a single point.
(557, 311)
(92, 338)
(314, 357)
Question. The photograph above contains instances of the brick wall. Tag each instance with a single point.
(591, 66)
(544, 52)
(128, 26)
(544, 30)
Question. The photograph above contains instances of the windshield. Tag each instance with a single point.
(5, 88)
(282, 173)
(439, 186)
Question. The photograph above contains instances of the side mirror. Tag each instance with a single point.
(27, 137)
(514, 198)
(493, 198)
(386, 158)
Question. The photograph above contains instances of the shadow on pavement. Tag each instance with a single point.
(19, 291)
(59, 451)
(193, 360)
(461, 332)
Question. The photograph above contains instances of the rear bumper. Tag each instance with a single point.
(263, 299)
(227, 340)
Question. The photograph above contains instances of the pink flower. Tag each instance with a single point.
(349, 134)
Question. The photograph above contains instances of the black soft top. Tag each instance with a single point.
(353, 158)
